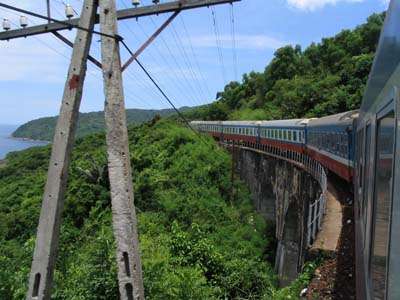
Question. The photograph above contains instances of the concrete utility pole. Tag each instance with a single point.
(120, 174)
(45, 254)
(124, 215)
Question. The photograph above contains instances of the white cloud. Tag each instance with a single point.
(310, 5)
(252, 42)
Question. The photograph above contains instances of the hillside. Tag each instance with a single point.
(196, 242)
(323, 79)
(93, 122)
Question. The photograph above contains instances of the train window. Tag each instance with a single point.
(285, 135)
(280, 134)
(382, 204)
(295, 136)
(290, 135)
(366, 201)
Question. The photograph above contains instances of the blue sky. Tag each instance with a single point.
(184, 59)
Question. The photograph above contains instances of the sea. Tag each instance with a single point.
(9, 144)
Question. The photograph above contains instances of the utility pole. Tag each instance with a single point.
(130, 275)
(120, 173)
(41, 277)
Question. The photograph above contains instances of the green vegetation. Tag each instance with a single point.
(43, 128)
(323, 79)
(196, 242)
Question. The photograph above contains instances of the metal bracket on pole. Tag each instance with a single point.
(150, 40)
(41, 276)
(130, 276)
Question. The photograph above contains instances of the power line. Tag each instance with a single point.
(161, 90)
(195, 56)
(180, 69)
(179, 44)
(218, 42)
(181, 87)
(233, 33)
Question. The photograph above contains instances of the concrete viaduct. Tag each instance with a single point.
(288, 189)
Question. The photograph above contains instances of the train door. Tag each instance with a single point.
(382, 204)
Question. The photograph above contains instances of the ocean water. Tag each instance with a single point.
(8, 144)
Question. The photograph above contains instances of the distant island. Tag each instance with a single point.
(43, 129)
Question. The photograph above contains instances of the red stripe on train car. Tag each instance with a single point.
(336, 167)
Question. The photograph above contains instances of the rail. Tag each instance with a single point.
(316, 210)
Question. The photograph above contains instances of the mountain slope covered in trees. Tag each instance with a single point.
(93, 122)
(196, 241)
(325, 78)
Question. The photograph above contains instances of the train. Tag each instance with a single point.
(328, 140)
(362, 148)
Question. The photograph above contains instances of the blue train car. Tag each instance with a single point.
(377, 186)
(330, 140)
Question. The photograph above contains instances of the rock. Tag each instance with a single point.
(303, 292)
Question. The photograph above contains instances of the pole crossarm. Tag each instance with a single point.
(150, 40)
(123, 14)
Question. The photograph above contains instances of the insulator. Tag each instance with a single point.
(69, 11)
(23, 21)
(135, 2)
(156, 1)
(6, 24)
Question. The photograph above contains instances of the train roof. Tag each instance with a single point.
(275, 123)
(386, 61)
(345, 118)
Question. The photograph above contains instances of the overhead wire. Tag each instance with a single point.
(180, 87)
(55, 50)
(162, 91)
(192, 91)
(219, 43)
(234, 47)
(193, 74)
(119, 39)
(194, 55)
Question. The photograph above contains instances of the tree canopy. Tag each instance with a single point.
(325, 78)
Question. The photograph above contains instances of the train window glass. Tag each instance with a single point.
(285, 135)
(366, 198)
(280, 134)
(295, 136)
(290, 135)
(382, 204)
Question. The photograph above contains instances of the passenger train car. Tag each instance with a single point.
(377, 186)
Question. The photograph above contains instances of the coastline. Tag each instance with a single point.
(27, 139)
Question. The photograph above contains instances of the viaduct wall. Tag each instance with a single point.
(283, 193)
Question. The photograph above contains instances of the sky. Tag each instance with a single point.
(192, 59)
